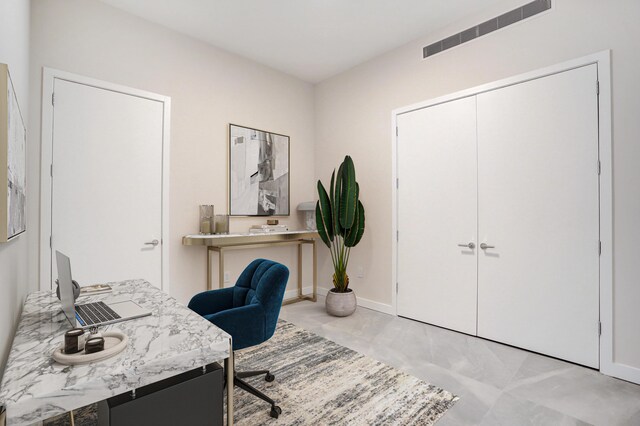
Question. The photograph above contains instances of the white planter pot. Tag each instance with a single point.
(341, 304)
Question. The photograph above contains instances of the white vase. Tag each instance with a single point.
(341, 304)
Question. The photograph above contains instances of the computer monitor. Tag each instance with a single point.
(65, 283)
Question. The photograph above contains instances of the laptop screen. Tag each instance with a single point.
(66, 287)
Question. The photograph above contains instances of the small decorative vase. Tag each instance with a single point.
(341, 304)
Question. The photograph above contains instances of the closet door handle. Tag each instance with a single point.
(469, 246)
(484, 246)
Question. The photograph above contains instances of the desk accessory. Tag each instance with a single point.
(89, 290)
(308, 209)
(206, 219)
(76, 289)
(93, 345)
(265, 229)
(74, 341)
(221, 222)
(114, 343)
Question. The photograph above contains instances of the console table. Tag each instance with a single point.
(170, 341)
(221, 243)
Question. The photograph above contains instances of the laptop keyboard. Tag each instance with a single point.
(95, 313)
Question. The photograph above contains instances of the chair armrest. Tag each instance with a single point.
(212, 301)
(246, 324)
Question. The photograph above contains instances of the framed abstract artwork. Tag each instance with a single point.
(258, 172)
(13, 161)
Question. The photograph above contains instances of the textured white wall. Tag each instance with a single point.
(353, 116)
(14, 51)
(209, 88)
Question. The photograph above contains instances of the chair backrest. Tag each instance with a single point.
(264, 282)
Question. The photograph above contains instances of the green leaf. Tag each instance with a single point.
(337, 194)
(333, 205)
(360, 224)
(321, 226)
(325, 209)
(349, 201)
(353, 231)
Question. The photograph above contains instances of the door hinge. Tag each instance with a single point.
(397, 286)
(599, 328)
(599, 248)
(51, 170)
(396, 131)
(397, 183)
(50, 241)
(53, 99)
(397, 235)
(598, 87)
(599, 167)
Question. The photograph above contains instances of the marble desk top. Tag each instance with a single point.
(170, 341)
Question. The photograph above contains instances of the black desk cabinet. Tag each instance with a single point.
(193, 398)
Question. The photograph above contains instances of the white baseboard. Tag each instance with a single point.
(621, 371)
(365, 303)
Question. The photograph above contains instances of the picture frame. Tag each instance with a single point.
(259, 172)
(13, 161)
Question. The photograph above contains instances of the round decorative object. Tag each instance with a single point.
(76, 289)
(341, 304)
(269, 377)
(114, 343)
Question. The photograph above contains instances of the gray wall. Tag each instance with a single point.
(209, 88)
(353, 115)
(14, 51)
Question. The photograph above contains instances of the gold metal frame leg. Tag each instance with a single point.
(230, 369)
(221, 268)
(299, 271)
(209, 283)
(73, 422)
(315, 270)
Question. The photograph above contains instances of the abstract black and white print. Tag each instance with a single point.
(258, 173)
(16, 167)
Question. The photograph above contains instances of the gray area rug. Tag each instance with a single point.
(319, 382)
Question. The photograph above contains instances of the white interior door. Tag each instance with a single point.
(538, 205)
(107, 183)
(437, 207)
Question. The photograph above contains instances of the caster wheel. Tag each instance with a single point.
(275, 411)
(269, 377)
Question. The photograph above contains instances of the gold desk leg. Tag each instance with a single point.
(209, 284)
(300, 270)
(221, 267)
(315, 271)
(230, 368)
(73, 421)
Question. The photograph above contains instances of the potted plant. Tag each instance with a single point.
(340, 223)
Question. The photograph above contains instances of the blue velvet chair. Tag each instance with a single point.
(248, 312)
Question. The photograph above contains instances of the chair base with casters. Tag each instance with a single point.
(249, 312)
(237, 381)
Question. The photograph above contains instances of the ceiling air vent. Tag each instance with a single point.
(504, 20)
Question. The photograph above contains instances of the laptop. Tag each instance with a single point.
(91, 314)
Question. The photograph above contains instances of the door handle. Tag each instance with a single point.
(152, 243)
(484, 246)
(471, 245)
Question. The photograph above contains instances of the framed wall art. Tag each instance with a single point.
(13, 161)
(258, 172)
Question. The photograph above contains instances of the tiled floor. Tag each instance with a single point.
(497, 384)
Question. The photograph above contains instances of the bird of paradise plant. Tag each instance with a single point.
(340, 219)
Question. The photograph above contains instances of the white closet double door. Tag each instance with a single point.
(498, 215)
